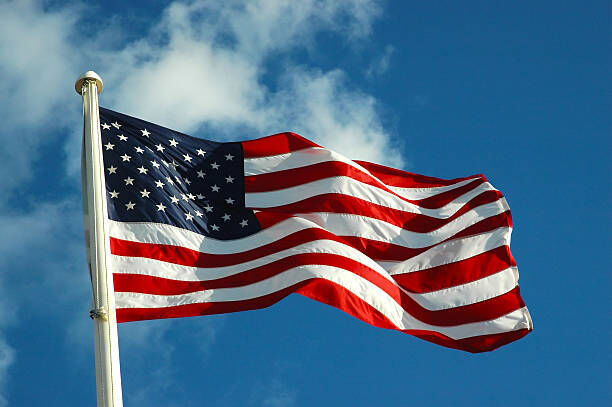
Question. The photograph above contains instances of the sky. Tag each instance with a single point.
(519, 91)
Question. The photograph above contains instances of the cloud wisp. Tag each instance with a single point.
(209, 71)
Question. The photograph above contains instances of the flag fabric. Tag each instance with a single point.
(198, 227)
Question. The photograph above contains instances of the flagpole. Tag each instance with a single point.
(106, 345)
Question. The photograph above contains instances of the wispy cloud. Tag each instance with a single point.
(210, 69)
(380, 65)
(42, 263)
(276, 394)
(7, 356)
(37, 59)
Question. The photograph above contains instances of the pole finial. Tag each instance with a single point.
(89, 75)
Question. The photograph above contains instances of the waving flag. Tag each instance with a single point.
(198, 227)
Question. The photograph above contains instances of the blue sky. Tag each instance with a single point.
(519, 91)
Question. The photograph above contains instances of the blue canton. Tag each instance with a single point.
(154, 174)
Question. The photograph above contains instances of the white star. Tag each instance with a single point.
(105, 126)
(129, 181)
(226, 217)
(184, 197)
(173, 143)
(244, 223)
(122, 137)
(139, 150)
(201, 174)
(191, 196)
(159, 184)
(229, 180)
(159, 148)
(198, 213)
(215, 166)
(109, 146)
(145, 133)
(130, 205)
(155, 164)
(230, 201)
(214, 227)
(178, 180)
(125, 157)
(116, 125)
(200, 196)
(169, 180)
(165, 163)
(161, 207)
(215, 188)
(189, 216)
(142, 170)
(144, 193)
(112, 170)
(187, 181)
(200, 151)
(173, 165)
(174, 199)
(114, 194)
(229, 157)
(208, 208)
(187, 158)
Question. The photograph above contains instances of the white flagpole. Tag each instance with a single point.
(106, 345)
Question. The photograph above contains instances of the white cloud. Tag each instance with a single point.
(202, 64)
(7, 352)
(35, 60)
(273, 393)
(36, 53)
(40, 269)
(380, 65)
(320, 106)
(210, 69)
(7, 356)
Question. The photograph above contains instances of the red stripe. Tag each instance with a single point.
(188, 257)
(474, 344)
(374, 249)
(268, 219)
(320, 290)
(276, 144)
(459, 315)
(346, 204)
(404, 179)
(283, 179)
(378, 250)
(457, 273)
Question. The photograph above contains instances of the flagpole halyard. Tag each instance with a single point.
(106, 345)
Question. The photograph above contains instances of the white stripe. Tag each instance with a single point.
(470, 293)
(158, 268)
(296, 159)
(451, 252)
(465, 294)
(351, 187)
(158, 233)
(362, 288)
(422, 193)
(342, 224)
(316, 155)
(336, 223)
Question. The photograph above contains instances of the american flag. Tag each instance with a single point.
(198, 227)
